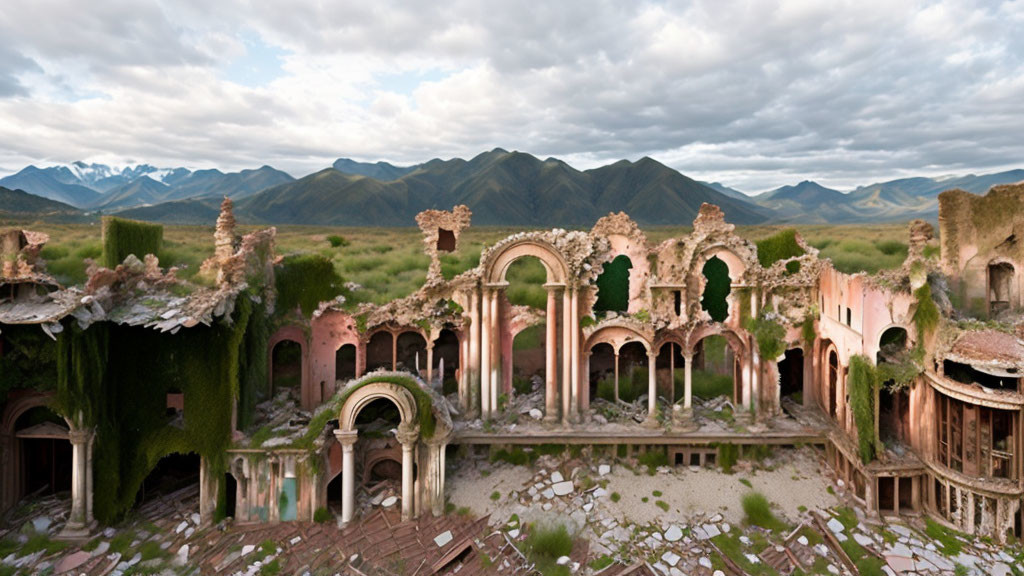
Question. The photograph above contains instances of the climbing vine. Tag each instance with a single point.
(769, 333)
(863, 382)
(123, 237)
(304, 281)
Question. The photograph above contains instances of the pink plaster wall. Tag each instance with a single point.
(330, 331)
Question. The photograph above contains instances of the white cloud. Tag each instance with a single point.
(751, 94)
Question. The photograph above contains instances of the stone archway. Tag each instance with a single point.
(347, 434)
(742, 372)
(491, 321)
(619, 336)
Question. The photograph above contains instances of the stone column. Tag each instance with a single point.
(688, 382)
(77, 526)
(473, 393)
(485, 356)
(407, 436)
(566, 353)
(574, 350)
(209, 486)
(347, 439)
(551, 358)
(616, 375)
(652, 389)
(495, 350)
(430, 362)
(394, 351)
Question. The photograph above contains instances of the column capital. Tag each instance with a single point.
(347, 438)
(80, 435)
(407, 434)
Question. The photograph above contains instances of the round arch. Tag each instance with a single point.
(617, 336)
(737, 268)
(554, 263)
(701, 332)
(398, 395)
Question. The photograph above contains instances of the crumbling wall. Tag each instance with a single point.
(977, 231)
(441, 230)
(625, 238)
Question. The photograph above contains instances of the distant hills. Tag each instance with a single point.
(501, 187)
(20, 205)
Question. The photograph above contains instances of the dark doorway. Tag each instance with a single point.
(379, 352)
(230, 495)
(287, 360)
(446, 355)
(1000, 283)
(412, 352)
(886, 494)
(345, 363)
(46, 459)
(791, 375)
(445, 240)
(528, 358)
(893, 415)
(602, 372)
(833, 380)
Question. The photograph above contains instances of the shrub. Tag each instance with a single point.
(321, 515)
(758, 512)
(652, 459)
(545, 545)
(337, 241)
(728, 454)
(892, 248)
(304, 281)
(862, 384)
(616, 497)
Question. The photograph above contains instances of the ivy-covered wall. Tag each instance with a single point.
(116, 378)
(123, 237)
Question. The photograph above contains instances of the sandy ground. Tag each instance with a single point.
(796, 480)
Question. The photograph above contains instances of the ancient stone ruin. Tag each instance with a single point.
(910, 379)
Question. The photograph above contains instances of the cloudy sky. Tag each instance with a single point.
(752, 94)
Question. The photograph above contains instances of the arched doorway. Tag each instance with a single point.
(715, 368)
(832, 376)
(380, 351)
(613, 286)
(411, 352)
(345, 363)
(46, 458)
(602, 372)
(893, 399)
(1000, 287)
(528, 355)
(286, 360)
(446, 360)
(715, 300)
(791, 375)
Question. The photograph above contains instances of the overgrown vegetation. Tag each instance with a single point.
(779, 246)
(545, 545)
(862, 383)
(613, 286)
(769, 333)
(757, 511)
(304, 281)
(123, 237)
(716, 291)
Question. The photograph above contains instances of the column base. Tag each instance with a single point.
(75, 531)
(651, 422)
(550, 417)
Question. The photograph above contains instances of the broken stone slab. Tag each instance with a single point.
(835, 526)
(670, 558)
(563, 488)
(72, 561)
(389, 501)
(536, 414)
(711, 530)
(443, 538)
(556, 477)
(548, 493)
(247, 549)
(603, 469)
(674, 533)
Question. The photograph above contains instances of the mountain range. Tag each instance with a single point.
(501, 187)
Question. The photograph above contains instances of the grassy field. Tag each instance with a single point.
(389, 262)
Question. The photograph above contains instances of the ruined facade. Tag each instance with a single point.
(918, 407)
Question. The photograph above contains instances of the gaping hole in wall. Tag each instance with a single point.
(385, 470)
(379, 351)
(46, 458)
(714, 365)
(602, 372)
(526, 278)
(791, 375)
(446, 360)
(906, 499)
(1000, 283)
(287, 362)
(412, 352)
(613, 286)
(716, 290)
(967, 374)
(528, 357)
(175, 402)
(445, 240)
(671, 371)
(172, 473)
(345, 363)
(893, 415)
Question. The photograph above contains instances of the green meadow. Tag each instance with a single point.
(389, 263)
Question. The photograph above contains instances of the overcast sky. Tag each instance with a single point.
(751, 94)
